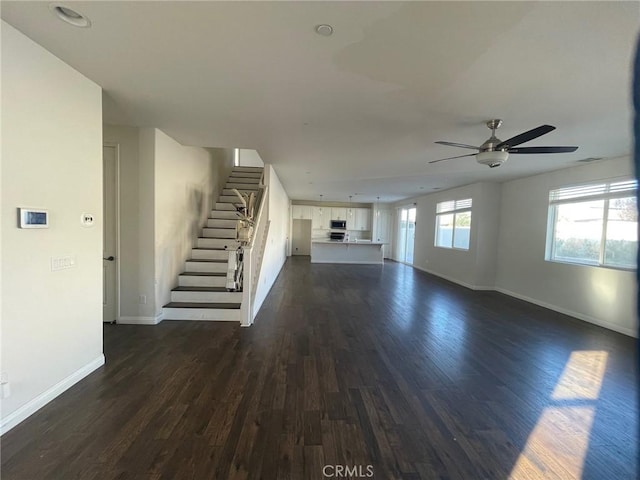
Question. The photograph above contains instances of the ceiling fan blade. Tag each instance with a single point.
(451, 158)
(526, 136)
(542, 150)
(461, 145)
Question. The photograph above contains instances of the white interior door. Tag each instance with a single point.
(109, 249)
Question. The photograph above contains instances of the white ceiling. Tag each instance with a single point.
(359, 112)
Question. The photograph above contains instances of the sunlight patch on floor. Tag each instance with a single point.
(582, 376)
(557, 446)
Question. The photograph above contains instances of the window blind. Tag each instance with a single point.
(593, 191)
(453, 205)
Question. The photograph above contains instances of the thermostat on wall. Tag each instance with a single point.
(32, 218)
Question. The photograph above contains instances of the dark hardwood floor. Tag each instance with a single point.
(348, 366)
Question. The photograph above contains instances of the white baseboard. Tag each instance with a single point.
(141, 320)
(41, 400)
(580, 316)
(454, 280)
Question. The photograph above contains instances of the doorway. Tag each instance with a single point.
(110, 300)
(406, 234)
(301, 237)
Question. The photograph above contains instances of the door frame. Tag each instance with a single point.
(116, 147)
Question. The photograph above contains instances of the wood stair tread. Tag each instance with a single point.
(204, 274)
(226, 306)
(201, 289)
(208, 260)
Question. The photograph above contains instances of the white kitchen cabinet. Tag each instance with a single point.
(362, 219)
(351, 218)
(321, 218)
(301, 212)
(338, 213)
(383, 229)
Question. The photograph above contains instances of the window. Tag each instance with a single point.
(453, 224)
(594, 224)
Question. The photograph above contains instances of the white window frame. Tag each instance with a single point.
(609, 189)
(453, 207)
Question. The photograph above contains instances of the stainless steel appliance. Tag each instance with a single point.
(336, 236)
(339, 224)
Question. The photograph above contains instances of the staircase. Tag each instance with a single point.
(201, 293)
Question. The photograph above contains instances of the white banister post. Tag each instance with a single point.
(245, 307)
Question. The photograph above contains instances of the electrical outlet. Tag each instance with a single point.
(142, 299)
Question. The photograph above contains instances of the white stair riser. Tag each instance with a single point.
(207, 297)
(219, 233)
(247, 169)
(252, 180)
(201, 281)
(217, 243)
(209, 254)
(228, 199)
(211, 314)
(226, 214)
(210, 267)
(226, 205)
(243, 187)
(221, 223)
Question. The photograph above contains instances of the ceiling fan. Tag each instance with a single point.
(494, 152)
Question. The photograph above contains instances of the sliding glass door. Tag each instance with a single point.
(406, 234)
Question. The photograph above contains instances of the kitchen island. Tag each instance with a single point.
(328, 251)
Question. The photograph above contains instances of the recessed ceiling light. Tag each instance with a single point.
(70, 16)
(324, 30)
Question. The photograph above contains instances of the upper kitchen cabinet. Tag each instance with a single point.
(362, 219)
(302, 212)
(338, 213)
(321, 218)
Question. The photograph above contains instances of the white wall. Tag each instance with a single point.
(184, 181)
(250, 158)
(146, 236)
(52, 159)
(599, 295)
(474, 268)
(275, 252)
(222, 168)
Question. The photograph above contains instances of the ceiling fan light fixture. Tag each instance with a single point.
(492, 159)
